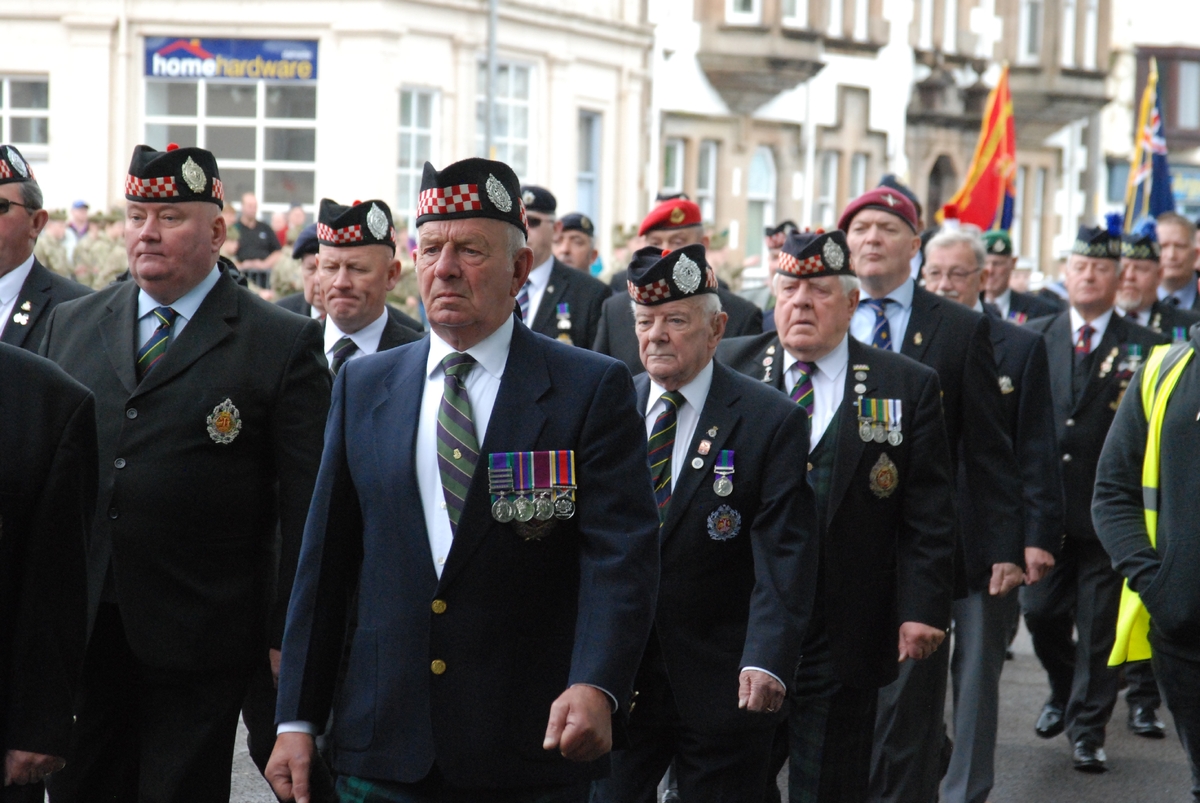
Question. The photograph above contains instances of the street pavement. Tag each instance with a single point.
(1028, 769)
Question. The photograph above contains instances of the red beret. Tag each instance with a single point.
(677, 213)
(883, 198)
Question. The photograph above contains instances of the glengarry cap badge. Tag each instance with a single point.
(224, 423)
(834, 257)
(497, 194)
(17, 162)
(686, 274)
(377, 222)
(193, 175)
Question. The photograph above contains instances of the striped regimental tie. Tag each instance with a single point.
(153, 349)
(661, 444)
(457, 448)
(1083, 346)
(523, 301)
(802, 392)
(881, 333)
(342, 350)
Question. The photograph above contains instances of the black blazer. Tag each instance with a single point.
(583, 294)
(42, 291)
(956, 342)
(616, 336)
(1026, 306)
(886, 559)
(47, 497)
(1164, 319)
(189, 523)
(296, 303)
(725, 603)
(1029, 419)
(1082, 425)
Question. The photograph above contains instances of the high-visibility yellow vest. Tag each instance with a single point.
(1133, 620)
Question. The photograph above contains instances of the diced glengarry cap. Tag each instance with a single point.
(13, 167)
(469, 189)
(809, 255)
(677, 213)
(362, 223)
(657, 276)
(176, 175)
(776, 236)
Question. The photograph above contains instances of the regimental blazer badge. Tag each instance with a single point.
(724, 523)
(884, 477)
(224, 423)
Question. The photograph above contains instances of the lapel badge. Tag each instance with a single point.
(21, 319)
(767, 374)
(768, 360)
(697, 462)
(224, 423)
(1107, 365)
(705, 445)
(724, 523)
(712, 432)
(1006, 385)
(917, 339)
(771, 349)
(860, 376)
(884, 477)
(27, 306)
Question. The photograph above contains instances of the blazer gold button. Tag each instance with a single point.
(810, 466)
(439, 606)
(438, 667)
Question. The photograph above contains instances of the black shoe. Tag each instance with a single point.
(1145, 722)
(1050, 723)
(1089, 758)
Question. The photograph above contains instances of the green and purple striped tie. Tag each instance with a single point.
(342, 351)
(153, 349)
(660, 446)
(802, 393)
(457, 448)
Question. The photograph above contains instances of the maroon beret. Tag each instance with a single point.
(884, 198)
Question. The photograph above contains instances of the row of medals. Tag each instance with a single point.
(540, 506)
(875, 431)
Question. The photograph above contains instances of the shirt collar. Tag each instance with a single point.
(696, 391)
(1004, 299)
(367, 338)
(979, 307)
(187, 304)
(1100, 324)
(539, 277)
(1185, 294)
(491, 353)
(11, 282)
(831, 364)
(902, 295)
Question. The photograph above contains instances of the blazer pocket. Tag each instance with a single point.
(354, 722)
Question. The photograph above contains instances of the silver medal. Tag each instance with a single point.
(878, 433)
(564, 508)
(524, 509)
(543, 508)
(502, 510)
(895, 438)
(864, 431)
(723, 486)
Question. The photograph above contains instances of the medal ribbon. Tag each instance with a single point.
(564, 310)
(893, 413)
(1179, 334)
(564, 469)
(499, 464)
(724, 464)
(871, 409)
(523, 473)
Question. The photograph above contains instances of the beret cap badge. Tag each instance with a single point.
(193, 175)
(497, 194)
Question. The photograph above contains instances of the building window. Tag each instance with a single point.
(861, 24)
(263, 134)
(25, 114)
(1029, 44)
(760, 199)
(837, 19)
(1018, 210)
(587, 183)
(795, 13)
(1187, 104)
(743, 12)
(1091, 34)
(1067, 24)
(950, 26)
(672, 177)
(415, 147)
(510, 139)
(858, 175)
(706, 180)
(825, 211)
(925, 25)
(1037, 208)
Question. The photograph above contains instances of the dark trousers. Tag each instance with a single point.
(146, 734)
(1179, 679)
(24, 793)
(1082, 592)
(1142, 690)
(434, 789)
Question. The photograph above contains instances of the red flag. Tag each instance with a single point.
(986, 197)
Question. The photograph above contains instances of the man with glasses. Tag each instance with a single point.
(28, 290)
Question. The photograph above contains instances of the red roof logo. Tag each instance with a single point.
(192, 47)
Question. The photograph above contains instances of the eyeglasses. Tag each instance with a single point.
(935, 276)
(5, 204)
(535, 222)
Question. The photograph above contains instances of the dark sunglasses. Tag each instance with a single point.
(4, 206)
(534, 222)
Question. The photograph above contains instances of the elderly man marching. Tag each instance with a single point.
(739, 548)
(881, 470)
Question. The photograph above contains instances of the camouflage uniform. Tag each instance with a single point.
(52, 252)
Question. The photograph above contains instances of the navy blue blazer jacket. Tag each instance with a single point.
(516, 622)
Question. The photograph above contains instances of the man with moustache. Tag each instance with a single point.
(1178, 251)
(210, 406)
(881, 472)
(1014, 306)
(575, 242)
(955, 270)
(893, 313)
(1137, 293)
(1093, 354)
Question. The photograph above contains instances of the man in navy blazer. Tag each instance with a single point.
(499, 626)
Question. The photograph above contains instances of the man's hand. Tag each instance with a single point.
(758, 691)
(918, 641)
(1005, 577)
(22, 768)
(288, 769)
(1038, 563)
(580, 724)
(276, 658)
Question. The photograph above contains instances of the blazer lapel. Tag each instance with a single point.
(547, 312)
(1060, 353)
(516, 422)
(1114, 336)
(201, 335)
(118, 333)
(849, 447)
(30, 304)
(718, 414)
(922, 324)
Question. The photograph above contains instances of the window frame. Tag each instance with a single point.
(735, 17)
(415, 171)
(531, 119)
(799, 18)
(32, 151)
(706, 197)
(769, 199)
(1031, 22)
(589, 178)
(678, 145)
(825, 204)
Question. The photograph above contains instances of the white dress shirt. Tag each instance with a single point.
(1185, 294)
(1003, 303)
(1100, 324)
(829, 386)
(696, 393)
(185, 308)
(539, 279)
(367, 338)
(10, 288)
(862, 324)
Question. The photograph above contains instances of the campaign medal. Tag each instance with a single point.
(893, 408)
(500, 485)
(1006, 385)
(884, 477)
(723, 468)
(564, 324)
(524, 509)
(724, 523)
(864, 431)
(224, 423)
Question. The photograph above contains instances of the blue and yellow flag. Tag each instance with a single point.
(1149, 190)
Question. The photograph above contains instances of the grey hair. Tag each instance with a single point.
(516, 241)
(710, 304)
(31, 196)
(849, 283)
(948, 238)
